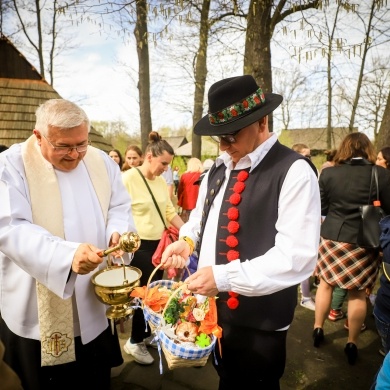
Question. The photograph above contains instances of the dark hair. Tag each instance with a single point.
(3, 148)
(119, 155)
(386, 155)
(330, 154)
(355, 145)
(157, 146)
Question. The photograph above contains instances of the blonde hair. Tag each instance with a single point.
(299, 147)
(194, 165)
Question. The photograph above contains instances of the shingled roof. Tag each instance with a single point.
(176, 141)
(22, 90)
(314, 138)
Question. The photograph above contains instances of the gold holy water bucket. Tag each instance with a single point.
(114, 290)
(114, 284)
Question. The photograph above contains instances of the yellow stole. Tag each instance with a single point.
(55, 314)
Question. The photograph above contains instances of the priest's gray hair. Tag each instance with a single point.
(60, 113)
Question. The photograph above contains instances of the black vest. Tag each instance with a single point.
(258, 213)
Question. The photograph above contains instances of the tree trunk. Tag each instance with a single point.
(257, 57)
(260, 27)
(360, 78)
(329, 128)
(141, 36)
(40, 39)
(200, 77)
(53, 43)
(383, 138)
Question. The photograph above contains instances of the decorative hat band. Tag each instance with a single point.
(237, 109)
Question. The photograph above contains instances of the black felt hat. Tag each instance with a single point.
(235, 103)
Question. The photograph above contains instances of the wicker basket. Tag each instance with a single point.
(176, 355)
(179, 356)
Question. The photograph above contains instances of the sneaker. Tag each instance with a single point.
(139, 352)
(335, 315)
(362, 329)
(382, 352)
(308, 304)
(151, 341)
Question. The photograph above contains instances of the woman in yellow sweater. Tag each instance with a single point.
(158, 155)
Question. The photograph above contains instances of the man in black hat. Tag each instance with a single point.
(256, 228)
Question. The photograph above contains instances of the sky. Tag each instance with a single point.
(100, 75)
(94, 76)
(95, 80)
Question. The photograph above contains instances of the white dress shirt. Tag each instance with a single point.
(294, 255)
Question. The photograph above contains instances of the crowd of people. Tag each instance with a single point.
(307, 219)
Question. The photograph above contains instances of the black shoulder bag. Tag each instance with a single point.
(170, 234)
(371, 214)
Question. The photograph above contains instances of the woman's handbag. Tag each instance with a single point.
(371, 214)
(170, 234)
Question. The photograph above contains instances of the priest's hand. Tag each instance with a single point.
(86, 259)
(202, 282)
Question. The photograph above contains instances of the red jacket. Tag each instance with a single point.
(187, 192)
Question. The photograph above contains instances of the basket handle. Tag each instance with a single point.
(152, 274)
(150, 279)
(155, 270)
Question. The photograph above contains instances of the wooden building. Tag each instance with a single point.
(22, 90)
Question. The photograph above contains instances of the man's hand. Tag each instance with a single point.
(86, 259)
(175, 255)
(202, 282)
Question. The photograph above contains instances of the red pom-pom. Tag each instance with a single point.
(233, 294)
(242, 176)
(239, 187)
(233, 227)
(235, 199)
(232, 303)
(232, 241)
(233, 213)
(232, 255)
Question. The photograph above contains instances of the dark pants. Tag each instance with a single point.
(251, 359)
(143, 260)
(91, 370)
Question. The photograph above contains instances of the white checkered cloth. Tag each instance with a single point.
(185, 352)
(149, 314)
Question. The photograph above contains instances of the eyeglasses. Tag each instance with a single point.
(64, 150)
(229, 138)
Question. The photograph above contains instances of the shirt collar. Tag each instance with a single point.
(251, 160)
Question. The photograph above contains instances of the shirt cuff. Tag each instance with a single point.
(221, 277)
